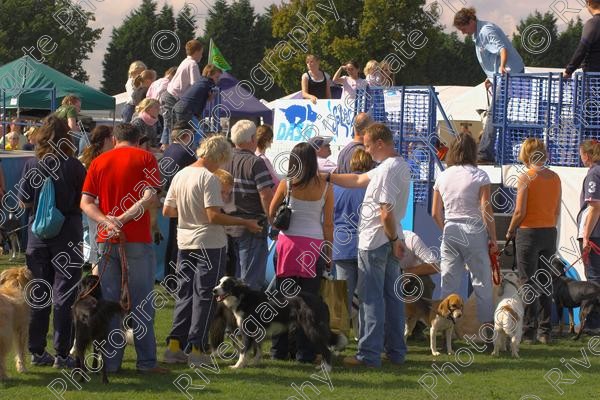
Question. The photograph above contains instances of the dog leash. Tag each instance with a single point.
(125, 299)
(494, 261)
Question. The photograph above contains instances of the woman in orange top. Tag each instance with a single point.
(534, 221)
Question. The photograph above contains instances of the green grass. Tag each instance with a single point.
(486, 377)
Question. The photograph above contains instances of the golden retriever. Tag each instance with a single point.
(14, 314)
(439, 315)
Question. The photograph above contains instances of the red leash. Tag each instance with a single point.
(496, 275)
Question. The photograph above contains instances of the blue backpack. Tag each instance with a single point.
(48, 219)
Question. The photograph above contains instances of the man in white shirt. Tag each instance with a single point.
(380, 247)
(187, 74)
(322, 145)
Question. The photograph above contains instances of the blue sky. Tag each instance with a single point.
(504, 13)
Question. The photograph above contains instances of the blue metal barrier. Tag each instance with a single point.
(561, 112)
(411, 116)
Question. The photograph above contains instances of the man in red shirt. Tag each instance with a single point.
(125, 181)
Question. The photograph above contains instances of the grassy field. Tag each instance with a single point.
(476, 376)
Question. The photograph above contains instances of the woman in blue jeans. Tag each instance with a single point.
(346, 206)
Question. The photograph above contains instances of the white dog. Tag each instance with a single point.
(508, 318)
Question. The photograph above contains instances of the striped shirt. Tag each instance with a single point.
(250, 176)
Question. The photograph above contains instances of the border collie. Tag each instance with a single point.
(259, 315)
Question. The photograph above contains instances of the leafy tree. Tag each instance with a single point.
(185, 29)
(62, 42)
(536, 40)
(242, 37)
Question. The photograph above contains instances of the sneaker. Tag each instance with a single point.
(175, 357)
(64, 362)
(199, 358)
(355, 362)
(42, 360)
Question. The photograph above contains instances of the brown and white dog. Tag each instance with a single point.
(438, 315)
(508, 318)
(14, 314)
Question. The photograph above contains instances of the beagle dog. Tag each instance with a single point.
(438, 315)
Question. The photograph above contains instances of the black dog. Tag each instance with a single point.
(259, 315)
(91, 316)
(571, 294)
(9, 237)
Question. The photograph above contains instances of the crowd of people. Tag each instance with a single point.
(222, 198)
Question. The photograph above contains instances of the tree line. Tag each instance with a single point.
(268, 49)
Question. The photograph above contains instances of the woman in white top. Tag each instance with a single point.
(304, 249)
(315, 83)
(462, 209)
(350, 83)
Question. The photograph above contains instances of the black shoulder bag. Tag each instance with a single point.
(283, 215)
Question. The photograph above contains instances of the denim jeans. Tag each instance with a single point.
(347, 270)
(531, 245)
(198, 272)
(252, 251)
(127, 113)
(466, 243)
(167, 102)
(381, 310)
(140, 267)
(487, 145)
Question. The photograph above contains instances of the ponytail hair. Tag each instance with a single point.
(146, 104)
(592, 149)
(464, 16)
(97, 137)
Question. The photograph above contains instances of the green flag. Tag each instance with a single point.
(216, 58)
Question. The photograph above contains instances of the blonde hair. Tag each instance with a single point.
(136, 68)
(225, 177)
(533, 151)
(592, 149)
(372, 66)
(70, 100)
(361, 161)
(216, 149)
(146, 104)
(312, 57)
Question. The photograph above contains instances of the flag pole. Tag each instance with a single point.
(210, 47)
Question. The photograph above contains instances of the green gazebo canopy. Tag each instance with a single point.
(21, 80)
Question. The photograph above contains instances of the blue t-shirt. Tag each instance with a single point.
(346, 212)
(345, 156)
(68, 180)
(194, 98)
(181, 157)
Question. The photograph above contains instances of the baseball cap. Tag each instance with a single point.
(320, 141)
